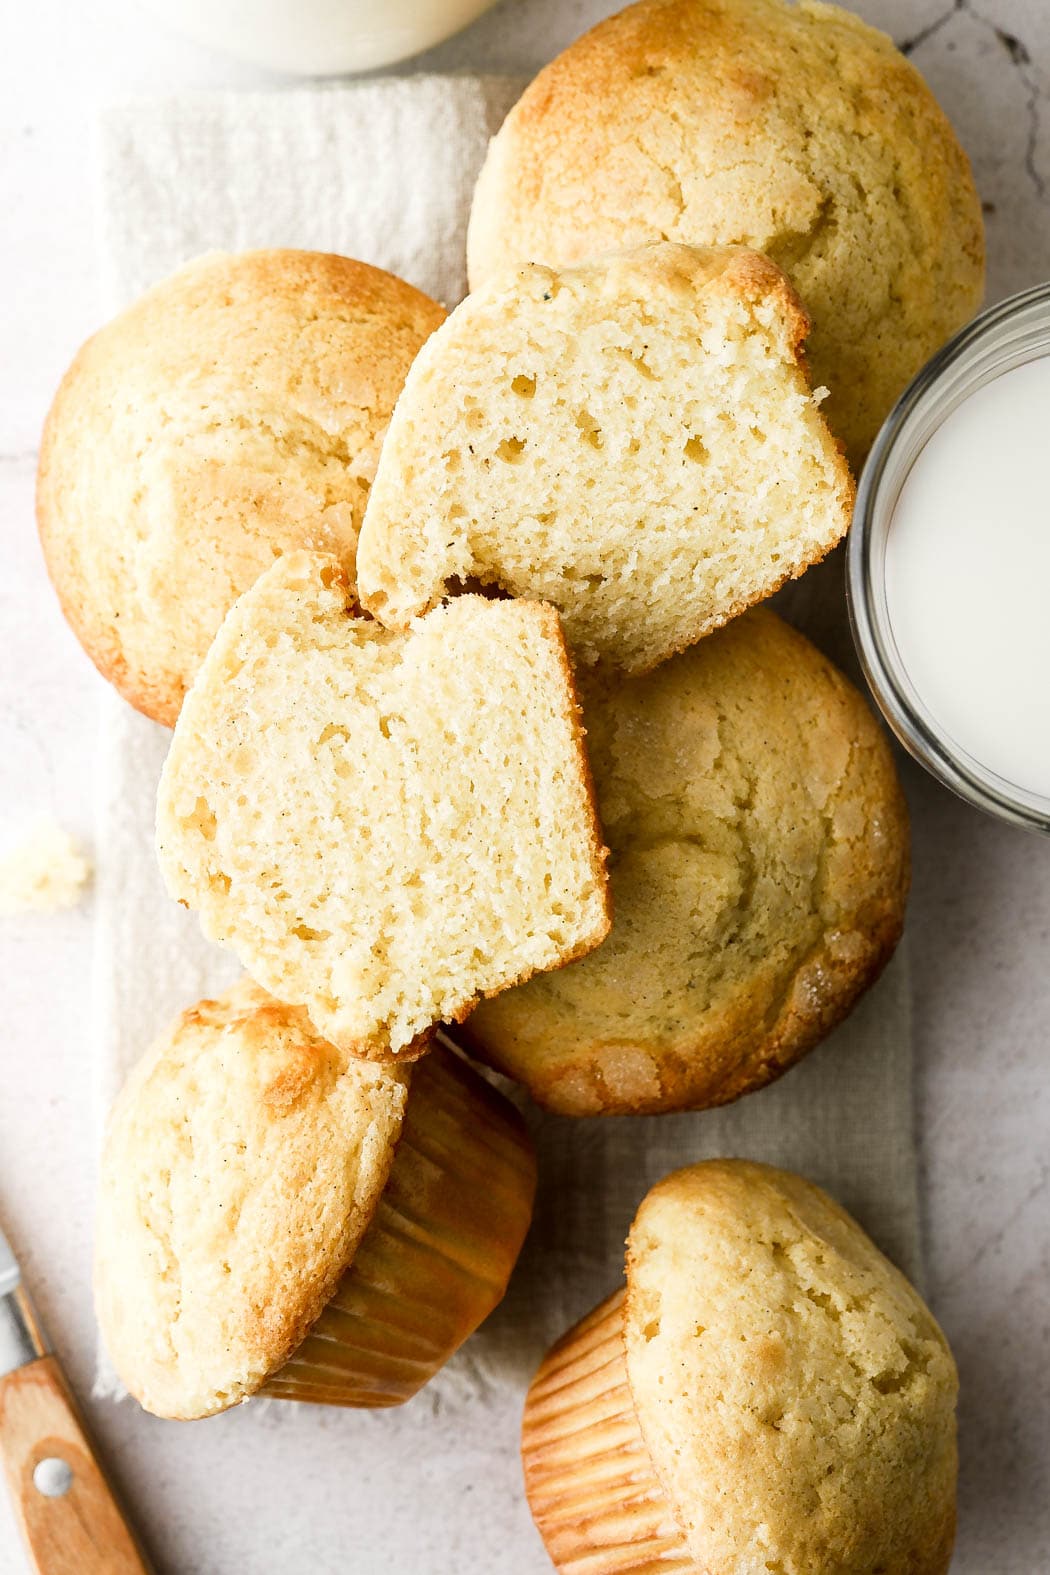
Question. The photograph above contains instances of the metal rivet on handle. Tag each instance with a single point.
(52, 1477)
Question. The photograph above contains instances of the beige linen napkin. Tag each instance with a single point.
(383, 171)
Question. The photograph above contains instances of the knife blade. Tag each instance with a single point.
(21, 1338)
(9, 1271)
(66, 1509)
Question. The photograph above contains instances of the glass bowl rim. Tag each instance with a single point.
(915, 727)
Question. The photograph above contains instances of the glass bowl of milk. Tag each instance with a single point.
(948, 563)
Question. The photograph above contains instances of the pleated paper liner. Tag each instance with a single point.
(438, 1253)
(588, 1477)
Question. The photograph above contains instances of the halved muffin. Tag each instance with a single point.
(634, 440)
(383, 826)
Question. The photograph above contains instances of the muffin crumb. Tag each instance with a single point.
(44, 873)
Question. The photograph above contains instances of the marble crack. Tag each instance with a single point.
(908, 45)
(1031, 147)
(995, 1238)
(1021, 59)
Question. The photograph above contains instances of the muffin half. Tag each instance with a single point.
(769, 1394)
(384, 827)
(633, 439)
(277, 1217)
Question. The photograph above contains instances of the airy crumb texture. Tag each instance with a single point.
(383, 826)
(44, 873)
(794, 1392)
(633, 440)
(794, 129)
(759, 871)
(234, 413)
(243, 1162)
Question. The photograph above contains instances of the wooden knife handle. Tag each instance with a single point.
(79, 1531)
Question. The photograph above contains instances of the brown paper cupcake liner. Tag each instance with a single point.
(438, 1253)
(589, 1479)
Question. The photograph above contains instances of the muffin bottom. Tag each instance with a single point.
(589, 1480)
(438, 1253)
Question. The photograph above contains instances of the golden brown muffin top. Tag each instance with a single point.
(794, 129)
(233, 413)
(242, 1164)
(759, 868)
(794, 1392)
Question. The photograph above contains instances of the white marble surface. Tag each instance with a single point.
(235, 1494)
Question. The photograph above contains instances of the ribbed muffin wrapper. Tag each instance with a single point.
(589, 1478)
(437, 1255)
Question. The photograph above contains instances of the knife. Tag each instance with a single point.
(66, 1509)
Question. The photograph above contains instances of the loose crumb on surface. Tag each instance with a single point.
(43, 873)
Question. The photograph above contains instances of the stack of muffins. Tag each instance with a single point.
(476, 722)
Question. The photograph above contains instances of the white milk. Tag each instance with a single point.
(968, 576)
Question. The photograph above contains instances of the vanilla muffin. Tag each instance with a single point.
(794, 129)
(234, 413)
(769, 1393)
(384, 827)
(276, 1216)
(633, 440)
(759, 872)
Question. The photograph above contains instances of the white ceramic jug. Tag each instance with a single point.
(318, 37)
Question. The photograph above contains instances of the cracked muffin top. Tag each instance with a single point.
(795, 1394)
(243, 1162)
(232, 414)
(793, 129)
(759, 871)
